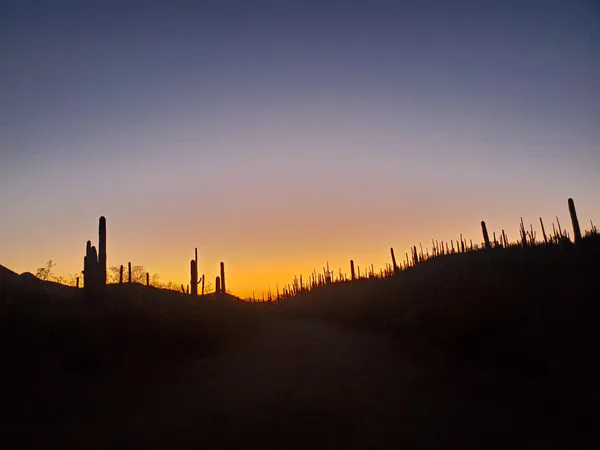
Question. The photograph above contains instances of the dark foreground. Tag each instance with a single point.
(484, 351)
(299, 384)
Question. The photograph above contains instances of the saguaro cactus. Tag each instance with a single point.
(88, 265)
(121, 274)
(576, 230)
(223, 278)
(194, 277)
(129, 272)
(395, 266)
(94, 264)
(217, 285)
(544, 231)
(102, 250)
(352, 272)
(523, 234)
(486, 237)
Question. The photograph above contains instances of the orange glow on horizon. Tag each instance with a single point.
(267, 255)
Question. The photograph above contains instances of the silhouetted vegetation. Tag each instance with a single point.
(94, 264)
(487, 313)
(63, 342)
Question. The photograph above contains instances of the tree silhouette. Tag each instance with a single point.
(46, 273)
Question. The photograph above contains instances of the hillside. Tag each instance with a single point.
(13, 285)
(510, 306)
(487, 349)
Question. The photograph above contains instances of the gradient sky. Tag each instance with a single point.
(279, 135)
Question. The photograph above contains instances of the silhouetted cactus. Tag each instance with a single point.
(194, 277)
(531, 235)
(352, 273)
(121, 274)
(327, 274)
(147, 279)
(102, 251)
(94, 265)
(223, 290)
(523, 234)
(87, 269)
(218, 285)
(574, 221)
(129, 272)
(195, 280)
(544, 231)
(486, 238)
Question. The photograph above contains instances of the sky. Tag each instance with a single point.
(277, 136)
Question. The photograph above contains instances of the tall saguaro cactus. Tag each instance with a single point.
(486, 237)
(94, 264)
(90, 270)
(194, 277)
(223, 278)
(217, 285)
(352, 272)
(102, 250)
(575, 222)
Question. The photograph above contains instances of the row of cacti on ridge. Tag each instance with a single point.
(95, 260)
(196, 280)
(94, 269)
(528, 238)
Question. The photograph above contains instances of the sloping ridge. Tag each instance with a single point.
(12, 283)
(8, 279)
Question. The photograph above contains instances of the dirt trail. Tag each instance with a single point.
(293, 384)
